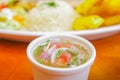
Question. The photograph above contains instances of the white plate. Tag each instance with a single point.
(88, 34)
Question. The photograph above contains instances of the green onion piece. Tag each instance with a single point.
(45, 43)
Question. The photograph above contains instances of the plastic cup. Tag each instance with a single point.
(42, 72)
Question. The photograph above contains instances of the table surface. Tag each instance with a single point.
(14, 64)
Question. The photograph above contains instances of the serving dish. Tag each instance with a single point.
(27, 36)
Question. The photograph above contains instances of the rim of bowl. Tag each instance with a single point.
(86, 42)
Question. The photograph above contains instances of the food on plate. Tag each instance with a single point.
(109, 10)
(112, 20)
(6, 21)
(87, 22)
(8, 24)
(9, 15)
(51, 16)
(61, 53)
(58, 15)
(40, 16)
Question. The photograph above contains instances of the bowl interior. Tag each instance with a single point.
(83, 42)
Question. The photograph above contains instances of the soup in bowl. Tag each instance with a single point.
(61, 53)
(61, 57)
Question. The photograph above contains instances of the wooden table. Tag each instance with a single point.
(14, 64)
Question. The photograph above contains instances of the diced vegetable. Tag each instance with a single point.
(19, 19)
(60, 62)
(2, 6)
(58, 44)
(10, 25)
(66, 57)
(44, 55)
(3, 19)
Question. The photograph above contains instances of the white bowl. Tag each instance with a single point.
(42, 72)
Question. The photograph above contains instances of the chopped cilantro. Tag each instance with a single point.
(58, 53)
(75, 61)
(51, 4)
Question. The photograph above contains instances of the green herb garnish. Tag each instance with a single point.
(75, 61)
(51, 4)
(58, 53)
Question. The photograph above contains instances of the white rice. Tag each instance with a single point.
(46, 18)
